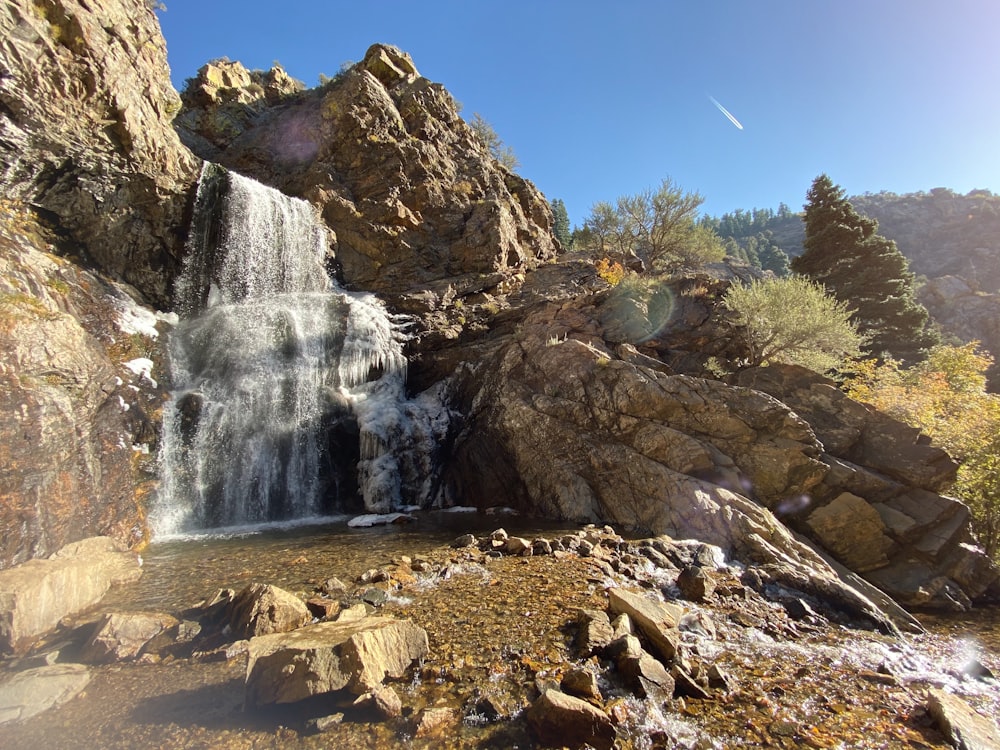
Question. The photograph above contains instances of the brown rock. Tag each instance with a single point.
(560, 720)
(262, 609)
(34, 596)
(583, 684)
(655, 619)
(121, 636)
(595, 631)
(328, 656)
(853, 531)
(434, 722)
(965, 728)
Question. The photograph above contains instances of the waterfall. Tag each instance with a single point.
(287, 390)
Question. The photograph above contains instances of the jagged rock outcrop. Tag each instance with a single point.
(967, 313)
(423, 215)
(85, 134)
(95, 181)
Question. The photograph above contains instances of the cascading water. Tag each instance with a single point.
(281, 379)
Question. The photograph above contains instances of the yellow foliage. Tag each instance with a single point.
(613, 273)
(945, 397)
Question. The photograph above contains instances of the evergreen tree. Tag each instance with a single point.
(866, 271)
(560, 223)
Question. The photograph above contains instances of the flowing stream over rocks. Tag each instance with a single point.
(502, 629)
(288, 392)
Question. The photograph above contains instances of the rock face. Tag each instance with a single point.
(422, 214)
(328, 656)
(36, 690)
(971, 314)
(85, 133)
(93, 177)
(36, 595)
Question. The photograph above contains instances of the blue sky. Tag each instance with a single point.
(601, 99)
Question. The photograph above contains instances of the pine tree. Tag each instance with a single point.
(560, 223)
(866, 271)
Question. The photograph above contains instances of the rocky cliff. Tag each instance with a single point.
(576, 401)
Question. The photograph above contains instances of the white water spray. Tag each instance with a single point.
(270, 359)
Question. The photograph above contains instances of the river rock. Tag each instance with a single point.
(656, 620)
(262, 609)
(328, 656)
(595, 631)
(695, 583)
(28, 693)
(964, 727)
(583, 684)
(122, 635)
(36, 595)
(560, 720)
(644, 673)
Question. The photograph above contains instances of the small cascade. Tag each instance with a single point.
(288, 391)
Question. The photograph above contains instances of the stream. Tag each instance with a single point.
(499, 628)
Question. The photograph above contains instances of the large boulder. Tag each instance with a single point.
(561, 720)
(263, 609)
(120, 636)
(28, 693)
(36, 595)
(356, 655)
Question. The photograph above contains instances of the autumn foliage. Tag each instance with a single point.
(945, 396)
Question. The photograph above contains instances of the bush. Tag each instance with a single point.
(793, 320)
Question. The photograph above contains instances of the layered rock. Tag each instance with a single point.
(85, 134)
(36, 595)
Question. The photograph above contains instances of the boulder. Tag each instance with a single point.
(695, 583)
(964, 727)
(853, 531)
(656, 620)
(644, 674)
(33, 691)
(560, 720)
(595, 631)
(36, 595)
(262, 609)
(328, 656)
(122, 635)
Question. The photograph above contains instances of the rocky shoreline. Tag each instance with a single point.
(581, 639)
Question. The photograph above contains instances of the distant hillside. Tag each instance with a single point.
(952, 240)
(942, 232)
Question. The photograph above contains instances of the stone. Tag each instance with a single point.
(433, 722)
(323, 609)
(644, 673)
(964, 727)
(333, 587)
(33, 691)
(329, 656)
(466, 540)
(121, 636)
(695, 583)
(853, 531)
(686, 685)
(517, 545)
(262, 609)
(582, 683)
(594, 631)
(387, 702)
(36, 595)
(560, 720)
(656, 620)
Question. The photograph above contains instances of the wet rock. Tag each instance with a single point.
(697, 623)
(582, 683)
(964, 727)
(518, 546)
(387, 702)
(328, 656)
(433, 722)
(323, 609)
(35, 595)
(466, 540)
(686, 685)
(644, 674)
(719, 679)
(325, 723)
(595, 631)
(695, 583)
(33, 691)
(656, 620)
(122, 636)
(333, 587)
(799, 609)
(541, 547)
(374, 597)
(560, 720)
(262, 609)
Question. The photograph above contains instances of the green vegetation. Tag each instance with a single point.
(793, 320)
(863, 269)
(560, 223)
(489, 138)
(750, 236)
(945, 397)
(655, 229)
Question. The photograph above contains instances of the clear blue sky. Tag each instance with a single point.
(601, 99)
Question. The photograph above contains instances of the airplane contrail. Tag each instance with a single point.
(726, 112)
